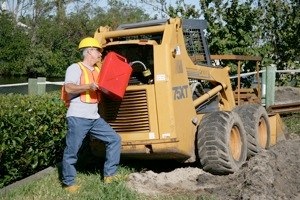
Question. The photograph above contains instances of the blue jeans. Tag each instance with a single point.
(77, 130)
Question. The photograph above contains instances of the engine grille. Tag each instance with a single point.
(128, 115)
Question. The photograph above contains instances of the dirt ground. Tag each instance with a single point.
(271, 174)
(287, 95)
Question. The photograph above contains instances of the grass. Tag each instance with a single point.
(92, 188)
(292, 122)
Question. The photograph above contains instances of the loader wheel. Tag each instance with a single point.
(221, 142)
(257, 127)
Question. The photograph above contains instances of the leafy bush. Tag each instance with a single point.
(32, 133)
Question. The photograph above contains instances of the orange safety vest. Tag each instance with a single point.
(87, 77)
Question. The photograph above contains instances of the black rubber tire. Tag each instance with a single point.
(257, 126)
(221, 143)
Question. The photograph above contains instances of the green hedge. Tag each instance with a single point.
(32, 134)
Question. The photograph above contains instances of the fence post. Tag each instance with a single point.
(270, 83)
(41, 85)
(32, 86)
(263, 86)
(37, 86)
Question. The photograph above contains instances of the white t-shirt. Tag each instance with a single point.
(78, 108)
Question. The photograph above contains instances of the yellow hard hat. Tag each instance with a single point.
(89, 42)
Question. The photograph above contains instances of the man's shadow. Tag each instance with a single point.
(87, 162)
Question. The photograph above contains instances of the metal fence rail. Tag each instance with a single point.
(34, 86)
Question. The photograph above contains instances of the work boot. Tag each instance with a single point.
(114, 178)
(72, 188)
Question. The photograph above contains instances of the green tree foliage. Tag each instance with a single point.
(14, 46)
(183, 10)
(119, 13)
(180, 9)
(49, 43)
(232, 27)
(281, 25)
(266, 28)
(54, 27)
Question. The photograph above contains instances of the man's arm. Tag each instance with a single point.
(76, 89)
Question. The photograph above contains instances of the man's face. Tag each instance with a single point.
(95, 54)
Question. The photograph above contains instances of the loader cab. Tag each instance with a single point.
(138, 48)
(140, 58)
(195, 41)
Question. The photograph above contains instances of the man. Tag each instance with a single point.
(83, 117)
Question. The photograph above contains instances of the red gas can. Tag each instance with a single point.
(114, 75)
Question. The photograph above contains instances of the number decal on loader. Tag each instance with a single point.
(180, 92)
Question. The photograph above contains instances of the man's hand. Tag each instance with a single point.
(94, 86)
